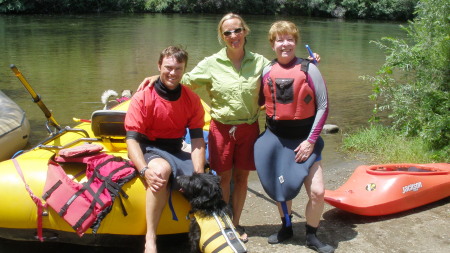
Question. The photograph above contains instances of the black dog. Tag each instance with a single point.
(211, 214)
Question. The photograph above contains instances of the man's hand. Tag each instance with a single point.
(154, 180)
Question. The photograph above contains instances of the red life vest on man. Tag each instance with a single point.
(84, 205)
(287, 93)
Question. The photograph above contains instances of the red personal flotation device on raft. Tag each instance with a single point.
(84, 205)
(288, 96)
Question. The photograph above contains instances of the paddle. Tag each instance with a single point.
(311, 54)
(36, 97)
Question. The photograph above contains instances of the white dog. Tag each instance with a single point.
(109, 94)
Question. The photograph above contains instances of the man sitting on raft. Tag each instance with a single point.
(156, 122)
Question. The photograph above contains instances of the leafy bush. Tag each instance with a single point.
(413, 84)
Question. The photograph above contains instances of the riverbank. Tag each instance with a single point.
(423, 229)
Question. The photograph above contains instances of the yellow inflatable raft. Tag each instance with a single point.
(18, 212)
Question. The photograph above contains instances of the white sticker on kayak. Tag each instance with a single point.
(412, 187)
(281, 178)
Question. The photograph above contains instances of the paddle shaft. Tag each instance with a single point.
(311, 54)
(36, 98)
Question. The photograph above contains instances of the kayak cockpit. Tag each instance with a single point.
(409, 169)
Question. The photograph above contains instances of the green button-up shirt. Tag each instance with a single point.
(234, 94)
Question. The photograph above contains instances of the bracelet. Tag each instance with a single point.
(142, 171)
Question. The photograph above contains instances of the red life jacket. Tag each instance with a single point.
(84, 205)
(287, 92)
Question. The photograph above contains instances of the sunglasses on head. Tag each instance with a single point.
(235, 31)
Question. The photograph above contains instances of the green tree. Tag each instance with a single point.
(365, 9)
(413, 84)
(70, 6)
(381, 9)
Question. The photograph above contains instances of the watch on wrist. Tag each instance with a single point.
(142, 171)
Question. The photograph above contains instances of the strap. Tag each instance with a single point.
(96, 199)
(85, 216)
(305, 65)
(221, 247)
(226, 220)
(272, 93)
(234, 242)
(86, 187)
(174, 215)
(35, 199)
(210, 239)
(51, 190)
(287, 218)
(113, 187)
(124, 210)
(270, 84)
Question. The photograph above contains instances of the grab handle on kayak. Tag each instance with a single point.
(36, 98)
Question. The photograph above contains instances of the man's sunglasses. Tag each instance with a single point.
(235, 31)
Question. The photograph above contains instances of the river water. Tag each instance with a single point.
(71, 60)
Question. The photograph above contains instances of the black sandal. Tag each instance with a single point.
(241, 231)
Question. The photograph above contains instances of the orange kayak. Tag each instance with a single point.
(391, 188)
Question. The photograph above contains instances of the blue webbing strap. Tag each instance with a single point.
(287, 218)
(174, 215)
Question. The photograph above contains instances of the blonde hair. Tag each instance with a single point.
(228, 17)
(283, 27)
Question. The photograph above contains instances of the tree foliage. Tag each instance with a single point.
(413, 84)
(69, 6)
(366, 9)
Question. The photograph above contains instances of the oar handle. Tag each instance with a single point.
(35, 96)
(25, 83)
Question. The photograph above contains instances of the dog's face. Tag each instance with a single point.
(202, 191)
(127, 93)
